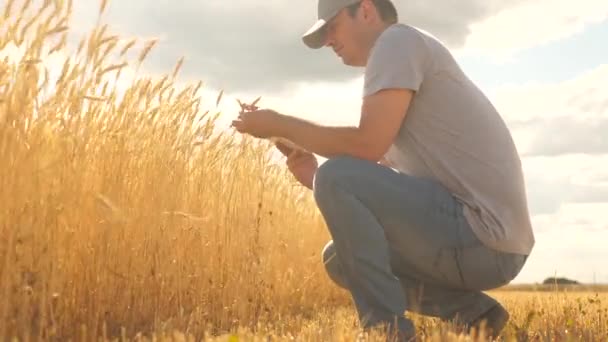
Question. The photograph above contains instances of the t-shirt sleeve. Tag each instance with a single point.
(398, 60)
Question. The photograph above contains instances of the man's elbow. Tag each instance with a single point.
(372, 152)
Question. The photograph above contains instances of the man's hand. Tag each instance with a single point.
(258, 123)
(303, 165)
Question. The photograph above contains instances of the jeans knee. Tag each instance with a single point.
(331, 169)
(328, 173)
(332, 265)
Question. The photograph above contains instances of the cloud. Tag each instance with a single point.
(533, 23)
(255, 46)
(555, 182)
(570, 117)
(581, 217)
(566, 251)
(570, 243)
(584, 97)
(569, 135)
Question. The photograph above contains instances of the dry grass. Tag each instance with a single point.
(536, 316)
(571, 288)
(127, 213)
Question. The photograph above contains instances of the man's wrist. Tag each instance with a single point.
(281, 125)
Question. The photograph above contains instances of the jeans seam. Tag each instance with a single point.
(500, 267)
(437, 261)
(458, 266)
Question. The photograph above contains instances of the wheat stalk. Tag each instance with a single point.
(147, 47)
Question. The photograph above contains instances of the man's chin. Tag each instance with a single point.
(346, 61)
(350, 63)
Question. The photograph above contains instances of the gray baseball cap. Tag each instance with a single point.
(314, 38)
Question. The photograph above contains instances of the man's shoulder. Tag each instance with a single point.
(399, 38)
(409, 38)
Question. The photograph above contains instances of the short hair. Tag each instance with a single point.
(386, 9)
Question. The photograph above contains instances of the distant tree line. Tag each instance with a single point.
(560, 281)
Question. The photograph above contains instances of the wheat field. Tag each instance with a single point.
(126, 214)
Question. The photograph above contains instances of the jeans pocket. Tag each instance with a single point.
(466, 235)
(481, 268)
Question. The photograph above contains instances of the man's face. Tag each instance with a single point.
(343, 35)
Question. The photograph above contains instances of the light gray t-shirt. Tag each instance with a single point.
(453, 134)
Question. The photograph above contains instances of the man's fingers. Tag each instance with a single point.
(285, 150)
(291, 163)
(237, 124)
(297, 157)
(292, 159)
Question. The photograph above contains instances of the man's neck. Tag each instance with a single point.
(374, 35)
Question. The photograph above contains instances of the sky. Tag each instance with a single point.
(543, 63)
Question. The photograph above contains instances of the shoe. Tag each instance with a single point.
(495, 320)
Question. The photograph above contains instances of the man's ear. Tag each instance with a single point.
(367, 9)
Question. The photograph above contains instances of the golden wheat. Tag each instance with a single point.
(131, 208)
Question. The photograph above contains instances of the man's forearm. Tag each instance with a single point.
(326, 141)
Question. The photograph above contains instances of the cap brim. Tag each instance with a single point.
(314, 38)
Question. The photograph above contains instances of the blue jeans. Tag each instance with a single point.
(402, 243)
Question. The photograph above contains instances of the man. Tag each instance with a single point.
(448, 219)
